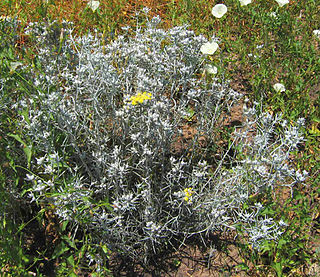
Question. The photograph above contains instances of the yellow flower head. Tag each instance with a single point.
(187, 194)
(139, 98)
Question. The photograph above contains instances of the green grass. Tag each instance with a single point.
(290, 54)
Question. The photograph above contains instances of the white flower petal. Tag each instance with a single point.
(219, 10)
(282, 2)
(273, 14)
(15, 65)
(279, 87)
(316, 33)
(209, 48)
(244, 2)
(93, 5)
(211, 69)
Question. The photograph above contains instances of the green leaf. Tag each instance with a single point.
(28, 153)
(190, 113)
(69, 241)
(82, 251)
(316, 119)
(281, 243)
(278, 269)
(26, 149)
(25, 191)
(314, 131)
(25, 115)
(64, 225)
(105, 249)
(70, 260)
(72, 274)
(242, 266)
(59, 250)
(16, 137)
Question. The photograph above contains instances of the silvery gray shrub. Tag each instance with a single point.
(123, 135)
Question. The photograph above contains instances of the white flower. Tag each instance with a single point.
(209, 48)
(282, 2)
(244, 2)
(219, 10)
(146, 10)
(93, 5)
(15, 65)
(48, 169)
(273, 14)
(211, 69)
(30, 177)
(316, 33)
(282, 223)
(40, 160)
(279, 87)
(5, 18)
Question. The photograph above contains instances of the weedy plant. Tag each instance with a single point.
(11, 223)
(121, 143)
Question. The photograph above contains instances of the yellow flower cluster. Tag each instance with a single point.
(140, 97)
(187, 194)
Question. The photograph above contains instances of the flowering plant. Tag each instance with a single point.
(219, 10)
(278, 87)
(281, 3)
(209, 48)
(115, 155)
(139, 98)
(93, 5)
(316, 33)
(244, 2)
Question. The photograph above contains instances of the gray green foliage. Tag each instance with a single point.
(106, 123)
